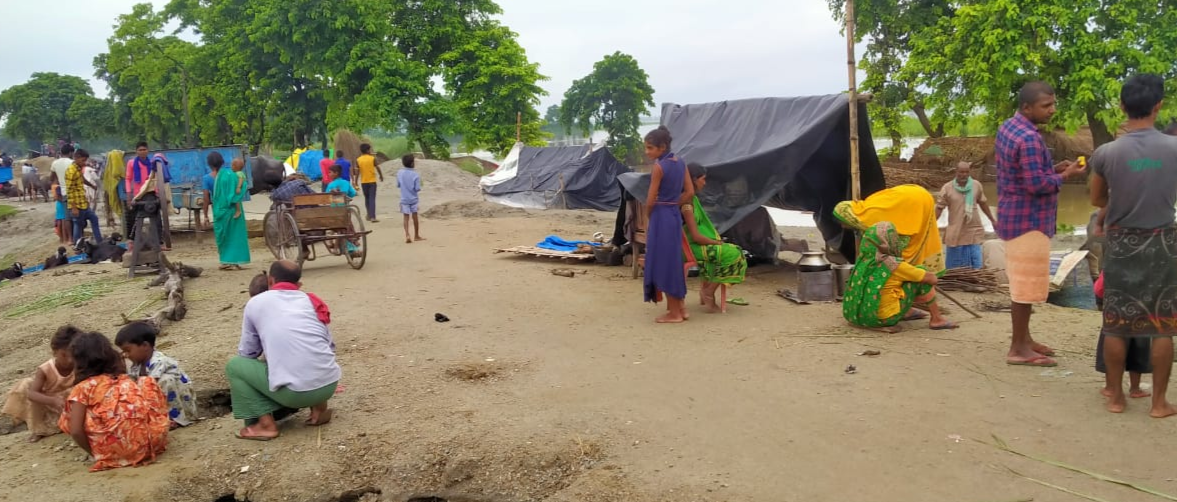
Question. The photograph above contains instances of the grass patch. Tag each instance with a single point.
(74, 296)
(7, 212)
(394, 148)
(471, 166)
(7, 260)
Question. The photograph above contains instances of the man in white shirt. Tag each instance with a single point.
(289, 327)
(61, 165)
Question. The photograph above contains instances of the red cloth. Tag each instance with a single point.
(321, 309)
(325, 167)
(1099, 286)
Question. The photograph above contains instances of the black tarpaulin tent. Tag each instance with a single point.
(789, 153)
(564, 177)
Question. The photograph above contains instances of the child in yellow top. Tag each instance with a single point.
(38, 400)
(365, 177)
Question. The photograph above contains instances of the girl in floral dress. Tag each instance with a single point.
(118, 420)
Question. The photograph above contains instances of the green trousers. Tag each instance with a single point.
(249, 384)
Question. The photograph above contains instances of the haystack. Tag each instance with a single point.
(349, 143)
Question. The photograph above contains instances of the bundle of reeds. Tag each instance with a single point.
(971, 280)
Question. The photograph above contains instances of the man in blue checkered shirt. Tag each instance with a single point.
(1027, 210)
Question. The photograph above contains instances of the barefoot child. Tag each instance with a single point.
(365, 178)
(38, 400)
(238, 167)
(62, 225)
(409, 181)
(341, 185)
(137, 341)
(119, 421)
(670, 188)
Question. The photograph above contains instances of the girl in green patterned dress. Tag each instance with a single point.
(720, 263)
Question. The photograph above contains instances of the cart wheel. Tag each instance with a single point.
(289, 241)
(272, 231)
(359, 255)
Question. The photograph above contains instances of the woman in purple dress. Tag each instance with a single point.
(670, 188)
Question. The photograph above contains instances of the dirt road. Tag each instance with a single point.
(563, 389)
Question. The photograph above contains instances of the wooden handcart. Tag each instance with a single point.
(291, 231)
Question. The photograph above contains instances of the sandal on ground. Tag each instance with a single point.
(1040, 361)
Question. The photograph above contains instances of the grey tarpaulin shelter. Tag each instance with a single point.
(564, 177)
(789, 153)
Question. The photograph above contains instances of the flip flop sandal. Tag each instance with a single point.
(1040, 362)
(738, 301)
(950, 325)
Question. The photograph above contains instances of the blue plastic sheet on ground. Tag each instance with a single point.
(555, 243)
(80, 257)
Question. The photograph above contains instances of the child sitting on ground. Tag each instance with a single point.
(38, 400)
(137, 341)
(118, 420)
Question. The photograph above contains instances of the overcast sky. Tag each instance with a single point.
(694, 50)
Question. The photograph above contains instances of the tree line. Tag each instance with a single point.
(287, 72)
(944, 61)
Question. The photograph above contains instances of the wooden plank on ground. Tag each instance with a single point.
(546, 253)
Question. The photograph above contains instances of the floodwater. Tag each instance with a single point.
(1074, 209)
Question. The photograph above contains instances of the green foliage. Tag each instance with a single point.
(38, 110)
(7, 212)
(472, 167)
(979, 57)
(890, 26)
(393, 147)
(492, 82)
(614, 97)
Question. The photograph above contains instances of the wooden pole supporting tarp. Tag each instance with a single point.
(852, 67)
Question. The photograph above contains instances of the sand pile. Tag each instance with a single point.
(471, 209)
(437, 177)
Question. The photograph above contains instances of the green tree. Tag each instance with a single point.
(979, 57)
(889, 26)
(38, 110)
(93, 118)
(492, 81)
(613, 97)
(152, 75)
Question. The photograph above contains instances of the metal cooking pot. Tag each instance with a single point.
(813, 261)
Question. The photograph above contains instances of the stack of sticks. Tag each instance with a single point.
(971, 280)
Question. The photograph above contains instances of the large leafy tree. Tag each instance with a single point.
(978, 57)
(613, 97)
(493, 84)
(889, 26)
(38, 110)
(152, 76)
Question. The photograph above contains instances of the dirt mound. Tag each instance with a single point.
(437, 176)
(946, 152)
(906, 173)
(471, 209)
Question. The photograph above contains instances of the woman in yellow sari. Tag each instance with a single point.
(910, 212)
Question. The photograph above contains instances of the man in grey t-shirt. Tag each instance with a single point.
(1135, 180)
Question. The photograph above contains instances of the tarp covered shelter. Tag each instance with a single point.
(563, 177)
(789, 153)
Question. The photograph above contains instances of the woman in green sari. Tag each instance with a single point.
(883, 286)
(720, 263)
(228, 218)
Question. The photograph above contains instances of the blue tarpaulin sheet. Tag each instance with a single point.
(5, 174)
(555, 243)
(188, 166)
(308, 164)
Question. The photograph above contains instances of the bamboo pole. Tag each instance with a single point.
(518, 126)
(855, 185)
